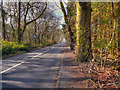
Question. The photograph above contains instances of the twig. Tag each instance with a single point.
(93, 82)
(57, 5)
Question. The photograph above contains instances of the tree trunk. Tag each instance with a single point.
(83, 23)
(119, 25)
(71, 38)
(119, 35)
(13, 30)
(3, 21)
(67, 25)
(38, 36)
(35, 32)
(19, 30)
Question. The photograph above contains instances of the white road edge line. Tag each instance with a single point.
(22, 62)
(36, 56)
(11, 67)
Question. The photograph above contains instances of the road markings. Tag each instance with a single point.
(11, 67)
(36, 56)
(23, 62)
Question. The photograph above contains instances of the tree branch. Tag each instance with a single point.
(64, 12)
(37, 16)
(26, 13)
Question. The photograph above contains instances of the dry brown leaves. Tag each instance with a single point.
(106, 77)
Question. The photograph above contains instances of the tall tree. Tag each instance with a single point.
(67, 25)
(119, 34)
(3, 21)
(22, 29)
(18, 38)
(83, 30)
(119, 23)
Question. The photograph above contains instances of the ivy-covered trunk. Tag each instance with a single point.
(83, 31)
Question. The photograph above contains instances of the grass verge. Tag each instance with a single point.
(10, 49)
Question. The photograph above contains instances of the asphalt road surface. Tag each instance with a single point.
(35, 69)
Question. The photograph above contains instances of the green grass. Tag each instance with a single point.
(13, 48)
(10, 55)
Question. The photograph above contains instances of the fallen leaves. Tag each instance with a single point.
(106, 77)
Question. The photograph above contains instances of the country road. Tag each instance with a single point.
(35, 69)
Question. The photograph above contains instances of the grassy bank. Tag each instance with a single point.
(13, 48)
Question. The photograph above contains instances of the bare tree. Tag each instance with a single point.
(3, 21)
(67, 24)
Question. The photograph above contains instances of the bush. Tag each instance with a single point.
(10, 48)
(7, 47)
(14, 47)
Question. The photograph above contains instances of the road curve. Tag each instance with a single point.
(35, 69)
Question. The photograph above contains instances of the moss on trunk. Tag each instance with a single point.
(83, 22)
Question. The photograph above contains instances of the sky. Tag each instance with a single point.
(58, 12)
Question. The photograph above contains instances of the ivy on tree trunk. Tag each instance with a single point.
(83, 31)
